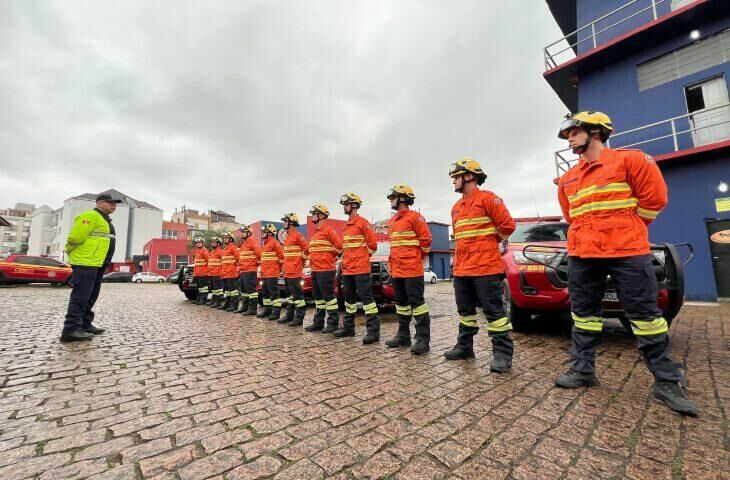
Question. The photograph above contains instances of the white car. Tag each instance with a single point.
(147, 277)
(429, 276)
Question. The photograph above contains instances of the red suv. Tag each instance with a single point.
(536, 280)
(18, 268)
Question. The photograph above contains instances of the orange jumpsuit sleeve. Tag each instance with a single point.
(336, 241)
(423, 234)
(304, 245)
(564, 204)
(647, 184)
(370, 239)
(256, 251)
(499, 214)
(279, 252)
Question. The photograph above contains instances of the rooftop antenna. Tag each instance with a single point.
(534, 204)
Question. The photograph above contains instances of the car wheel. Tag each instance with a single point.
(139, 280)
(191, 294)
(433, 280)
(519, 317)
(160, 281)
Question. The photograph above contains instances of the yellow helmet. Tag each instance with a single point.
(468, 165)
(402, 191)
(216, 239)
(198, 239)
(228, 234)
(320, 208)
(269, 228)
(291, 218)
(588, 120)
(246, 229)
(351, 198)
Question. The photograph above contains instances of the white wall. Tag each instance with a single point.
(41, 231)
(145, 224)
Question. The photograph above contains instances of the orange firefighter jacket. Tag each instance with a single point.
(200, 266)
(609, 203)
(358, 245)
(272, 256)
(249, 256)
(479, 221)
(296, 251)
(324, 247)
(410, 241)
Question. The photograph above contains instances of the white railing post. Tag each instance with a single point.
(674, 136)
(593, 33)
(653, 8)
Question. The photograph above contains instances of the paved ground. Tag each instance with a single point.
(175, 390)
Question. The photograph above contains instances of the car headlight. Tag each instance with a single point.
(261, 283)
(301, 283)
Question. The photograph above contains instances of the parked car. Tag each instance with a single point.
(117, 277)
(429, 276)
(17, 268)
(147, 277)
(536, 275)
(174, 277)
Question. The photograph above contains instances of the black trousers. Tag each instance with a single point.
(230, 287)
(637, 290)
(86, 287)
(295, 296)
(409, 302)
(247, 284)
(202, 282)
(487, 289)
(270, 292)
(323, 294)
(360, 287)
(216, 285)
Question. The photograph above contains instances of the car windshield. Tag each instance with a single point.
(540, 232)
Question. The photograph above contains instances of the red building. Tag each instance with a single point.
(168, 253)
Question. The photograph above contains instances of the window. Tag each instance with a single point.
(164, 262)
(695, 100)
(169, 234)
(540, 232)
(181, 261)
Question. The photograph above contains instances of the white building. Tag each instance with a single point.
(14, 239)
(41, 231)
(135, 223)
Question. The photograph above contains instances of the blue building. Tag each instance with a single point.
(659, 69)
(439, 258)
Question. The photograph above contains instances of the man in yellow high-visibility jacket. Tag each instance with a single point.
(90, 247)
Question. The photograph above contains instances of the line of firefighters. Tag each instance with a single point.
(608, 198)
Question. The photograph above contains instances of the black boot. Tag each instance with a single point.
(574, 379)
(289, 314)
(372, 325)
(265, 313)
(333, 320)
(348, 327)
(252, 304)
(233, 306)
(226, 303)
(317, 322)
(298, 317)
(244, 304)
(423, 335)
(674, 397)
(203, 298)
(76, 336)
(275, 313)
(464, 347)
(500, 365)
(403, 336)
(219, 302)
(211, 301)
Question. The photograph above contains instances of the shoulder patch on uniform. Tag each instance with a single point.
(649, 159)
(497, 201)
(85, 221)
(421, 219)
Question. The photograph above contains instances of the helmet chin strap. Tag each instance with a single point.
(583, 148)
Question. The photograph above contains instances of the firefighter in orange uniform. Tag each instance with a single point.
(410, 241)
(608, 198)
(296, 251)
(272, 257)
(200, 270)
(480, 221)
(214, 273)
(358, 246)
(324, 248)
(248, 263)
(229, 272)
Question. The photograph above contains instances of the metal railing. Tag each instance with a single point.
(563, 164)
(550, 53)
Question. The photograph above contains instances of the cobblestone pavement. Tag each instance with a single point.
(178, 391)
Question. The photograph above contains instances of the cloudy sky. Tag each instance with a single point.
(262, 107)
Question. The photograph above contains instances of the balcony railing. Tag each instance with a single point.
(586, 36)
(670, 135)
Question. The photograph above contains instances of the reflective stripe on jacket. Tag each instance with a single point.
(214, 262)
(200, 268)
(229, 261)
(479, 222)
(609, 203)
(410, 241)
(272, 256)
(324, 247)
(249, 256)
(296, 251)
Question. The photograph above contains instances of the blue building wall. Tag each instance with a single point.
(614, 89)
(692, 191)
(440, 262)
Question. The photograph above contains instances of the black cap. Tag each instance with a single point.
(105, 197)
